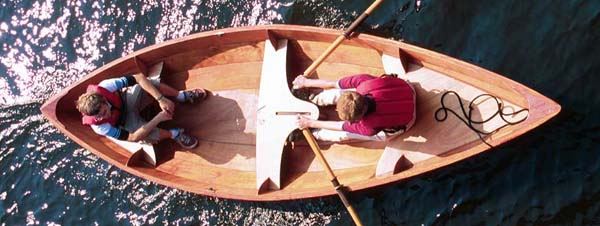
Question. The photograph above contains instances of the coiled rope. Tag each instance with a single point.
(469, 121)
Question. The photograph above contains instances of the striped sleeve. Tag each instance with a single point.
(115, 84)
(108, 130)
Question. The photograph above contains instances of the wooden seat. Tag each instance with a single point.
(141, 152)
(276, 115)
(393, 160)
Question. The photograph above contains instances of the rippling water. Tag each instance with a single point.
(547, 177)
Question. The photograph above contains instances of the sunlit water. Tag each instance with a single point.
(549, 176)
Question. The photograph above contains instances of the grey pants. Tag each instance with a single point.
(135, 99)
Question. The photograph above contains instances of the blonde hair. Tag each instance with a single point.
(90, 103)
(351, 106)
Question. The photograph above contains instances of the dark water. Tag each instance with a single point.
(546, 177)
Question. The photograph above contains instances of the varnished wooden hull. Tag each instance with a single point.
(228, 62)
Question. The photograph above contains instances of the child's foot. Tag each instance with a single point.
(186, 141)
(194, 95)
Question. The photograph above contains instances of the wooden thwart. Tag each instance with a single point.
(276, 116)
(392, 160)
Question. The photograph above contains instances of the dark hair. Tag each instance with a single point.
(393, 75)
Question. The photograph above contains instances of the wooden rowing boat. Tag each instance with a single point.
(235, 161)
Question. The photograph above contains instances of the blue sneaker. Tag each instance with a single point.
(186, 141)
(194, 95)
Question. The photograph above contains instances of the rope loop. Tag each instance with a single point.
(441, 114)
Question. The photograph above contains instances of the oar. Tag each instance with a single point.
(342, 37)
(339, 188)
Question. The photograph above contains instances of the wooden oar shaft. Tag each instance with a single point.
(324, 55)
(339, 188)
(341, 38)
(373, 6)
(361, 18)
(315, 147)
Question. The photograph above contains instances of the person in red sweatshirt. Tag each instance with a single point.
(372, 108)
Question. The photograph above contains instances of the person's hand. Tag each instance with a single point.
(164, 116)
(167, 105)
(303, 122)
(299, 82)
